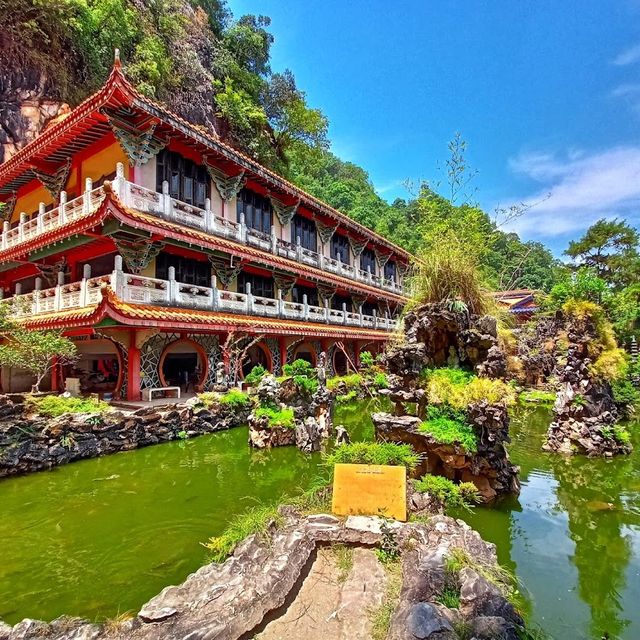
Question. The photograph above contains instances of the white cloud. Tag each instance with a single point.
(577, 190)
(629, 93)
(628, 56)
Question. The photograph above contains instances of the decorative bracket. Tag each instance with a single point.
(325, 292)
(285, 213)
(224, 271)
(228, 186)
(284, 283)
(325, 231)
(138, 254)
(357, 246)
(358, 301)
(54, 183)
(50, 271)
(140, 146)
(403, 268)
(382, 258)
(7, 208)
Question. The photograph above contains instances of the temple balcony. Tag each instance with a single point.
(162, 205)
(140, 290)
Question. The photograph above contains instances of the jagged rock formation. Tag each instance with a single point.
(259, 582)
(30, 442)
(436, 336)
(489, 468)
(312, 413)
(585, 414)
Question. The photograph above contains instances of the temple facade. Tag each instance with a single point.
(164, 252)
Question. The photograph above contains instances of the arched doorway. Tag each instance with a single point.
(340, 363)
(256, 355)
(183, 364)
(306, 351)
(98, 367)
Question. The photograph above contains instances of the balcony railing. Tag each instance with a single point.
(162, 205)
(141, 290)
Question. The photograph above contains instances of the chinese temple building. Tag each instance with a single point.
(520, 302)
(154, 245)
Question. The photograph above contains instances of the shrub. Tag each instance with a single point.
(380, 380)
(448, 431)
(347, 397)
(624, 393)
(610, 365)
(366, 360)
(450, 494)
(538, 397)
(235, 399)
(255, 375)
(54, 406)
(256, 520)
(277, 417)
(308, 386)
(351, 381)
(299, 367)
(386, 453)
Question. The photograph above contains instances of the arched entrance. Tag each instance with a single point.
(306, 351)
(183, 364)
(256, 355)
(98, 367)
(340, 363)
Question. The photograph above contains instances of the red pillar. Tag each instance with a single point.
(282, 344)
(56, 382)
(133, 369)
(356, 357)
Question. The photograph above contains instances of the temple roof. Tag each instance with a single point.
(181, 319)
(517, 300)
(89, 122)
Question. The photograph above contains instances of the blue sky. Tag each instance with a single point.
(546, 93)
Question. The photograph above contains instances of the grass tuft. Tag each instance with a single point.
(450, 494)
(385, 453)
(54, 406)
(448, 431)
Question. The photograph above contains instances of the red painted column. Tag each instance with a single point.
(133, 370)
(282, 344)
(55, 376)
(356, 357)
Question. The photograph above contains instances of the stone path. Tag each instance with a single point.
(331, 605)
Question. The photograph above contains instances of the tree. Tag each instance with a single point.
(611, 248)
(32, 350)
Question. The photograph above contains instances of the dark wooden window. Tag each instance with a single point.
(390, 271)
(188, 181)
(368, 259)
(369, 307)
(187, 270)
(312, 295)
(336, 302)
(257, 211)
(260, 285)
(304, 229)
(340, 245)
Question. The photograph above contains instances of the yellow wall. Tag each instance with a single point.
(103, 163)
(29, 203)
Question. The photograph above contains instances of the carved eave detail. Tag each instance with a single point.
(284, 212)
(138, 255)
(357, 246)
(284, 283)
(382, 258)
(8, 207)
(225, 272)
(228, 186)
(326, 231)
(54, 182)
(326, 293)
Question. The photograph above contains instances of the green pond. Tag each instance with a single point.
(100, 537)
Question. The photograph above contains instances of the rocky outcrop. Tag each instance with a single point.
(435, 336)
(30, 442)
(233, 600)
(488, 468)
(585, 414)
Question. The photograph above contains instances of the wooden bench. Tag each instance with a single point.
(150, 392)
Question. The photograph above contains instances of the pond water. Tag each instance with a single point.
(101, 537)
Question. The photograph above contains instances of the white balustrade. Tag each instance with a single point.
(162, 205)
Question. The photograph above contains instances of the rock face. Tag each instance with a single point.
(489, 468)
(585, 414)
(33, 443)
(436, 337)
(234, 600)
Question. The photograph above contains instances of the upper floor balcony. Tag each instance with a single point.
(140, 290)
(162, 205)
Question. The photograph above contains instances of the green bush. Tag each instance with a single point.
(350, 396)
(351, 381)
(449, 431)
(366, 360)
(386, 453)
(625, 393)
(307, 386)
(235, 399)
(299, 367)
(54, 406)
(256, 520)
(255, 375)
(277, 417)
(380, 381)
(450, 494)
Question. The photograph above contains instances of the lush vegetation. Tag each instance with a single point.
(385, 453)
(255, 375)
(277, 418)
(304, 376)
(451, 431)
(352, 381)
(234, 399)
(536, 396)
(447, 492)
(54, 405)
